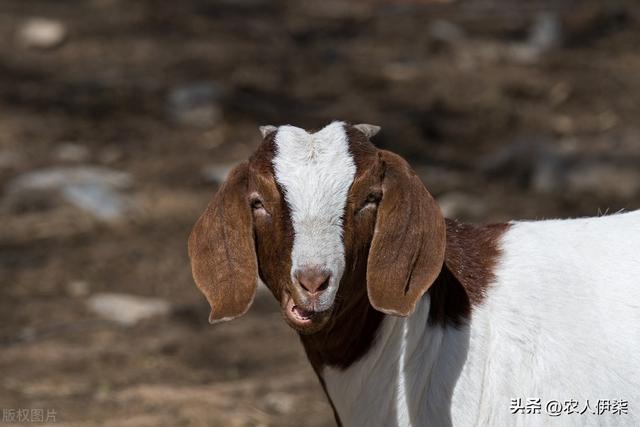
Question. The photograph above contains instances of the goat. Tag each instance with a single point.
(411, 319)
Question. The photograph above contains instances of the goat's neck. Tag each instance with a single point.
(349, 335)
(408, 373)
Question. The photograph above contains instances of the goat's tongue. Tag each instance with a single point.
(303, 314)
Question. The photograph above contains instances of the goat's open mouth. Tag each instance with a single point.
(298, 314)
(302, 319)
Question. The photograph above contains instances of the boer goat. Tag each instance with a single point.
(411, 319)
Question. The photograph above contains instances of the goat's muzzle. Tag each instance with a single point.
(306, 305)
(312, 281)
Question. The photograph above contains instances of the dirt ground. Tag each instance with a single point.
(506, 111)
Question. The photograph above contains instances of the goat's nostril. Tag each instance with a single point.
(324, 285)
(302, 285)
(313, 279)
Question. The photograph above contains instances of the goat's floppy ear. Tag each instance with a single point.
(222, 251)
(407, 251)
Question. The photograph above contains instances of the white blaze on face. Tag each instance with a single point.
(315, 172)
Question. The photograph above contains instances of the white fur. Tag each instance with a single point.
(315, 172)
(561, 321)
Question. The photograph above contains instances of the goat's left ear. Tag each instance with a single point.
(407, 251)
(222, 250)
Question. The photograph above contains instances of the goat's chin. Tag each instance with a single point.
(303, 321)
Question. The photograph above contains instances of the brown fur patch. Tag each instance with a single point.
(273, 233)
(470, 258)
(361, 149)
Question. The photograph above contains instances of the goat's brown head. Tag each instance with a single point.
(321, 218)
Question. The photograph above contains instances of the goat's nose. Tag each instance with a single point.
(313, 279)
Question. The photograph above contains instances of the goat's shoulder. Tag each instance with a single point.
(566, 291)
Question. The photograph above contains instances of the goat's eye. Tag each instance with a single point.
(372, 200)
(256, 204)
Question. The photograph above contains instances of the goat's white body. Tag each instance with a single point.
(561, 321)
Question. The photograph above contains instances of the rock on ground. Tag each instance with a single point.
(96, 190)
(127, 310)
(42, 33)
(195, 104)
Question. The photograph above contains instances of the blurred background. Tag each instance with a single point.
(119, 118)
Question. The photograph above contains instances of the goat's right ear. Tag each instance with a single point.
(222, 250)
(407, 250)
